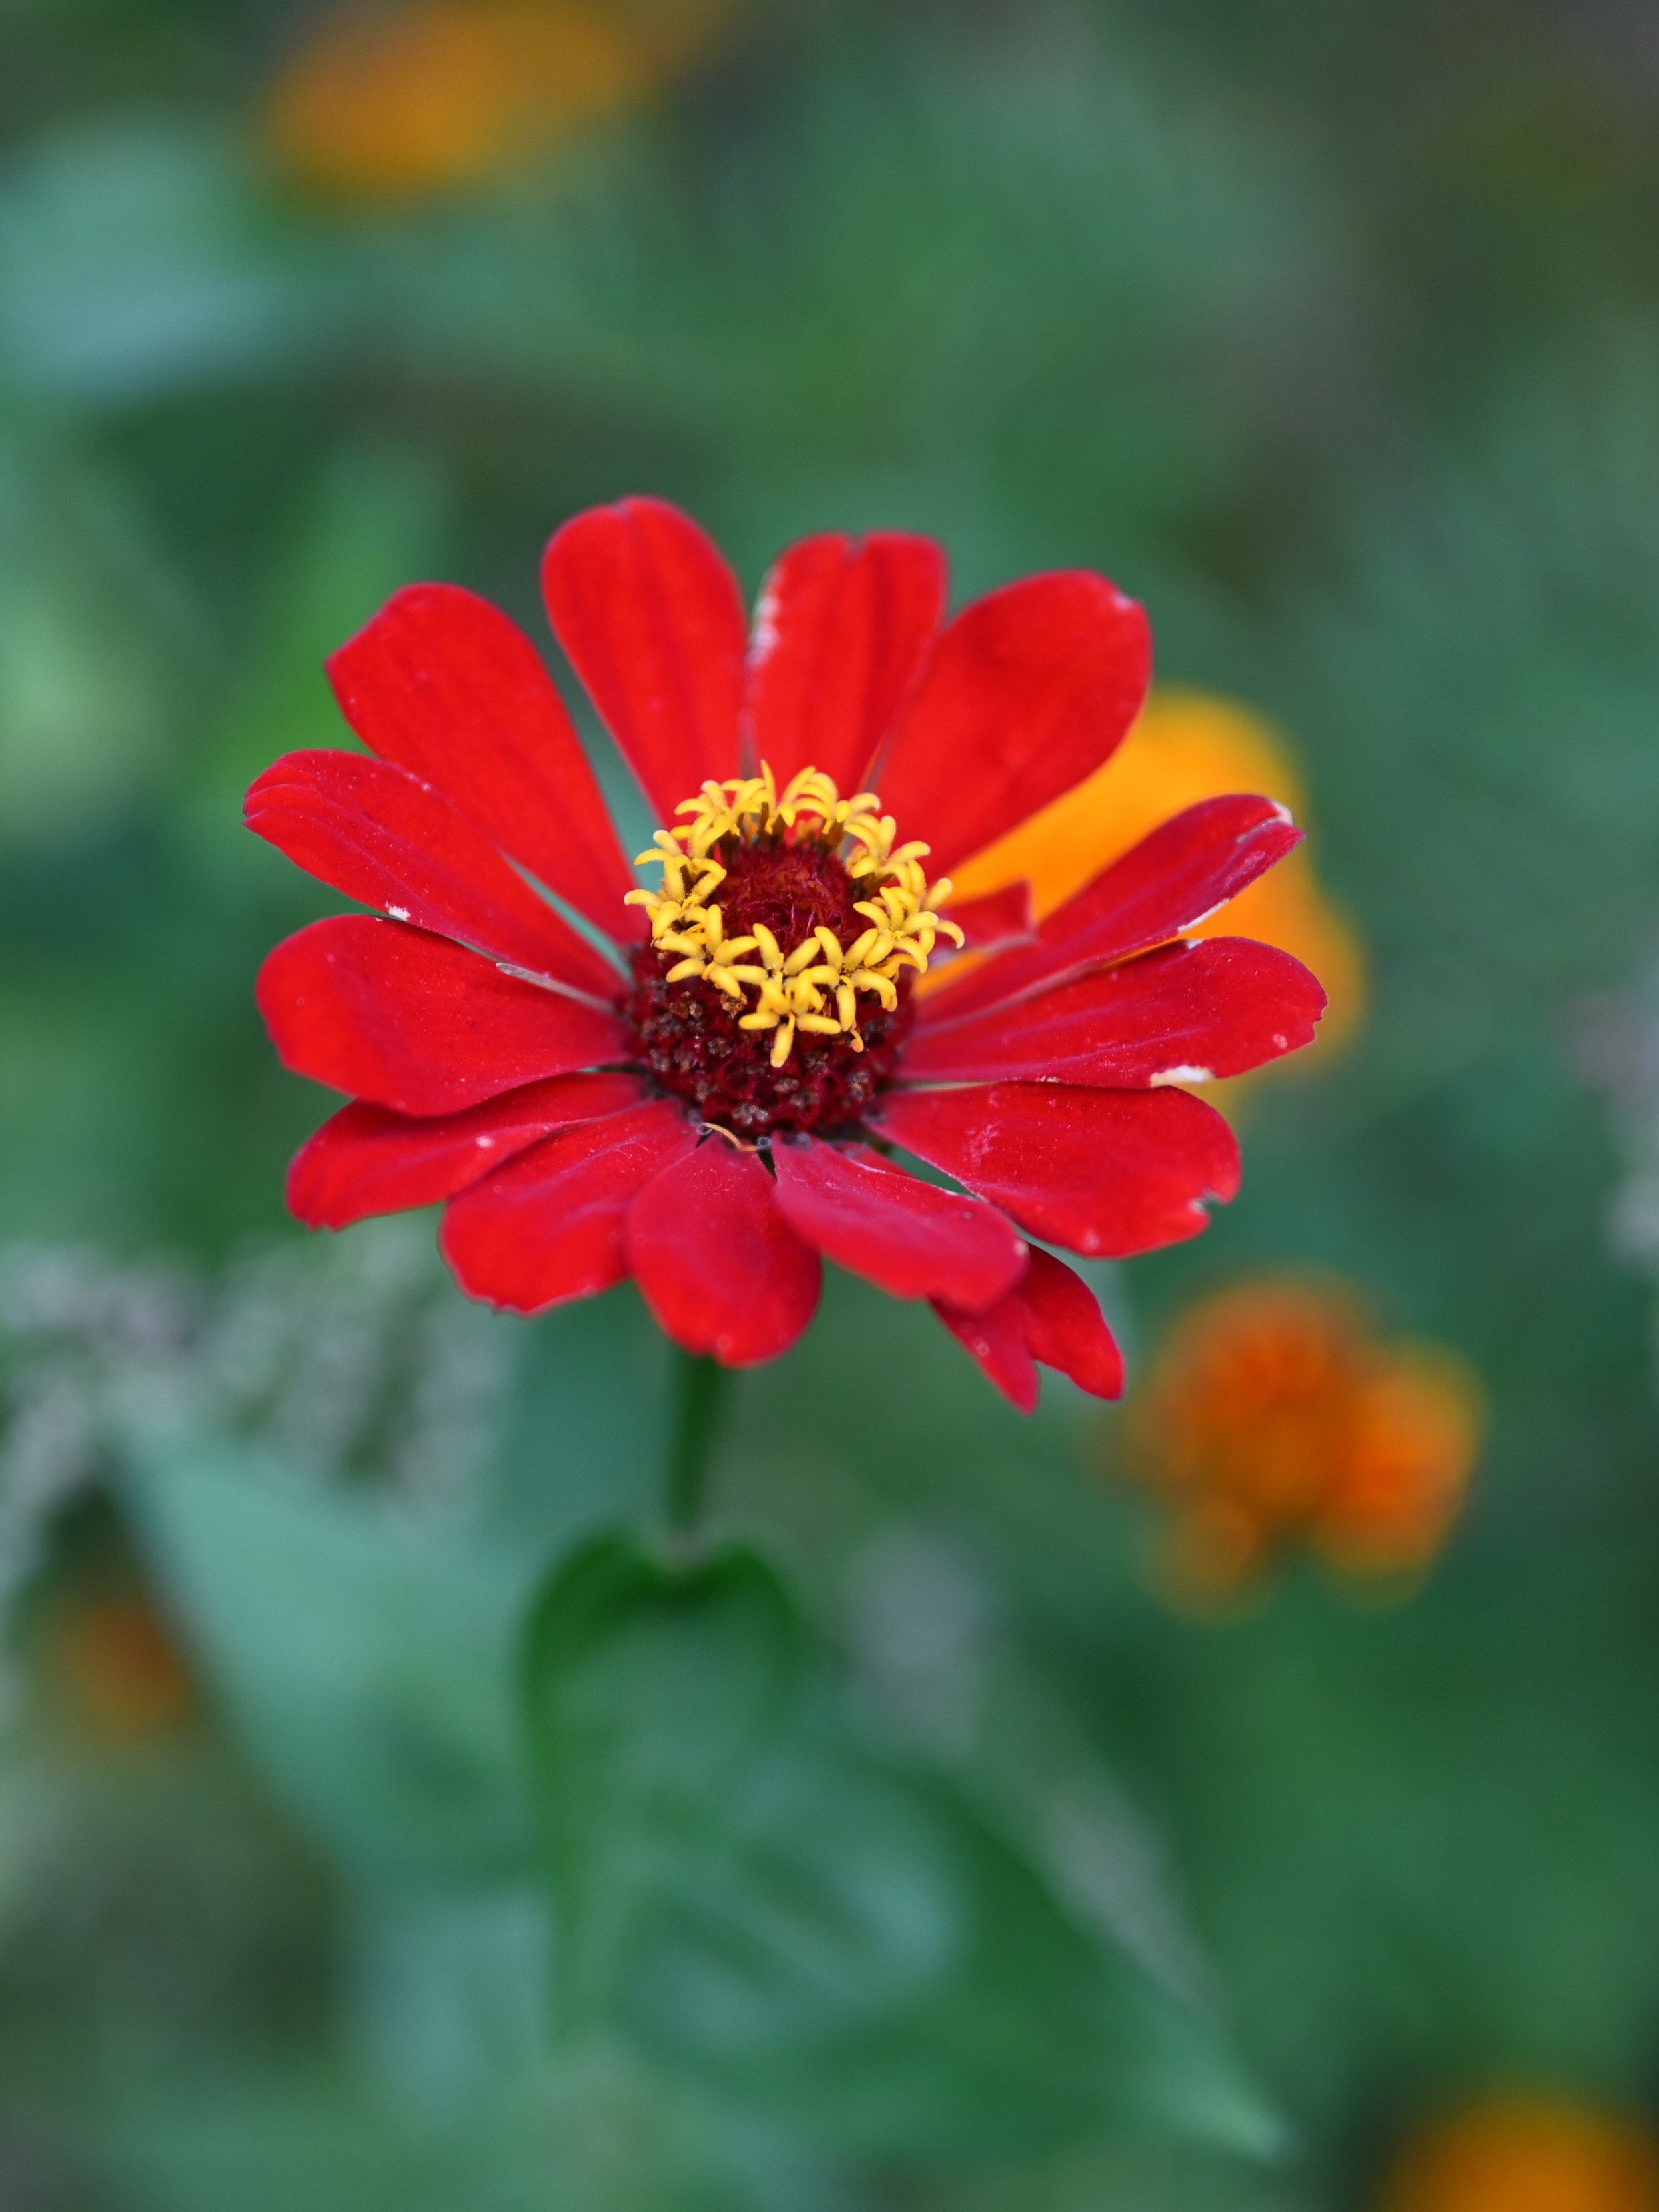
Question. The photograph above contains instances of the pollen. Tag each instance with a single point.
(798, 908)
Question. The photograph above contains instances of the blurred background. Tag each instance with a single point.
(1324, 1672)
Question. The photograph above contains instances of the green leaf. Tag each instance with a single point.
(96, 652)
(366, 1659)
(654, 1691)
(764, 1901)
(371, 519)
(143, 257)
(597, 2132)
(581, 1439)
(362, 1637)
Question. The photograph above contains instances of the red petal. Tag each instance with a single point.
(995, 923)
(1106, 1172)
(718, 1266)
(379, 833)
(1065, 1327)
(1174, 878)
(908, 1237)
(1000, 918)
(1029, 690)
(415, 1023)
(366, 1160)
(445, 685)
(997, 1341)
(652, 621)
(548, 1227)
(1201, 1008)
(842, 634)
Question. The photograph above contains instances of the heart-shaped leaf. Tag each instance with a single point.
(810, 1927)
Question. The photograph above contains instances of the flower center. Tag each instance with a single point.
(784, 938)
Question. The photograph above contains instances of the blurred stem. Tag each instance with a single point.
(700, 1385)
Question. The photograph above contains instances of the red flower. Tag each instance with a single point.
(707, 1104)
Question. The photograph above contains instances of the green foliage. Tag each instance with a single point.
(361, 1634)
(367, 1662)
(1330, 333)
(767, 1904)
(93, 647)
(139, 257)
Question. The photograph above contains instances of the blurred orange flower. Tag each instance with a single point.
(1274, 1415)
(115, 1667)
(1187, 746)
(394, 103)
(1528, 2154)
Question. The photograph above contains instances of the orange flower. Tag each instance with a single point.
(1187, 746)
(391, 103)
(1528, 2155)
(116, 1666)
(1275, 1415)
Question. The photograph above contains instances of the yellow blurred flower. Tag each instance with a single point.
(1187, 746)
(113, 1667)
(1528, 2154)
(396, 101)
(1274, 1416)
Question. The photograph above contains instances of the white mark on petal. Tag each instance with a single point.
(399, 912)
(1184, 1073)
(764, 642)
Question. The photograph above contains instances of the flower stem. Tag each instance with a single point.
(699, 1386)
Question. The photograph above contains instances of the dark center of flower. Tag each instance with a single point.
(792, 891)
(691, 1044)
(785, 946)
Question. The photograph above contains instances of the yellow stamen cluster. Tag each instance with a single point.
(813, 986)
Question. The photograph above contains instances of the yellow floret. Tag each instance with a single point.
(813, 986)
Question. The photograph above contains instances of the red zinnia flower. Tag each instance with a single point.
(709, 1105)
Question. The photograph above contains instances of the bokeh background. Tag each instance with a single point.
(1333, 334)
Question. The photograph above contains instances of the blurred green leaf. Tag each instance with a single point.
(141, 256)
(365, 1658)
(94, 649)
(581, 1435)
(363, 1642)
(371, 523)
(653, 1693)
(805, 1925)
(600, 2134)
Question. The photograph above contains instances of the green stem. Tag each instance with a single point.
(699, 1386)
